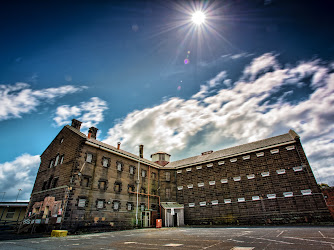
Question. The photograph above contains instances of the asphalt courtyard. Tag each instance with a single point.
(239, 238)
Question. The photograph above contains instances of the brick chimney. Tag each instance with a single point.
(76, 124)
(92, 133)
(141, 151)
(118, 145)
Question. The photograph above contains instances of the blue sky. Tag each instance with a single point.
(256, 69)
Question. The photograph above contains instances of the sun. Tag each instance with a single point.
(198, 17)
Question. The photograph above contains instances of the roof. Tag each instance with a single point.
(14, 204)
(160, 152)
(114, 149)
(166, 205)
(237, 150)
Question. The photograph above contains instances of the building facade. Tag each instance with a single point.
(84, 182)
(329, 197)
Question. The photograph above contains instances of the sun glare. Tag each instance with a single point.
(198, 17)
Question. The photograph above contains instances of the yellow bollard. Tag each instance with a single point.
(59, 233)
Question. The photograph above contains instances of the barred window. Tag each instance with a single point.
(215, 202)
(119, 166)
(116, 205)
(61, 159)
(89, 158)
(105, 162)
(56, 160)
(100, 204)
(132, 169)
(168, 193)
(82, 202)
(167, 176)
(241, 199)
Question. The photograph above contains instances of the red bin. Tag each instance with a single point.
(158, 223)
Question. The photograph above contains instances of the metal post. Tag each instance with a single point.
(18, 193)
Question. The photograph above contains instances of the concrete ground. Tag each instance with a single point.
(238, 238)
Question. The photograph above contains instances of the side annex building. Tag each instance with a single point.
(83, 182)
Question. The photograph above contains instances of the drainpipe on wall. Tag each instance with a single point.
(137, 194)
(148, 191)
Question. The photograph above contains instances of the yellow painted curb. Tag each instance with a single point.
(59, 233)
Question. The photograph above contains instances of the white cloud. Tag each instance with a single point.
(19, 98)
(253, 108)
(90, 113)
(205, 88)
(18, 174)
(259, 65)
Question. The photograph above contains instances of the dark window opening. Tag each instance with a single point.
(85, 181)
(118, 187)
(44, 185)
(102, 185)
(131, 188)
(10, 213)
(55, 182)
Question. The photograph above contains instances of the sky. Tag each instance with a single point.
(143, 73)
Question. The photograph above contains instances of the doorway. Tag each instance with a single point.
(146, 218)
(175, 224)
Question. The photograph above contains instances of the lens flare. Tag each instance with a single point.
(198, 17)
(186, 61)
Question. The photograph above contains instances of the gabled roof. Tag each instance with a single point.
(103, 145)
(237, 150)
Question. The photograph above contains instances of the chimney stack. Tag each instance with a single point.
(118, 145)
(76, 124)
(92, 133)
(141, 151)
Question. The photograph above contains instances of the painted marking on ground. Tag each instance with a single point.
(280, 234)
(172, 245)
(278, 241)
(242, 248)
(139, 243)
(323, 236)
(320, 241)
(240, 241)
(211, 245)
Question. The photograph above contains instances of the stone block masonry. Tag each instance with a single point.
(86, 183)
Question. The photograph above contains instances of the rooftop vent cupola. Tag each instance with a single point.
(76, 124)
(161, 158)
(92, 133)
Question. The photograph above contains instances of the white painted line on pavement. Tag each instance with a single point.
(323, 236)
(280, 234)
(278, 241)
(212, 245)
(320, 241)
(172, 245)
(242, 248)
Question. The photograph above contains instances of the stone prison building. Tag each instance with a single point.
(83, 182)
